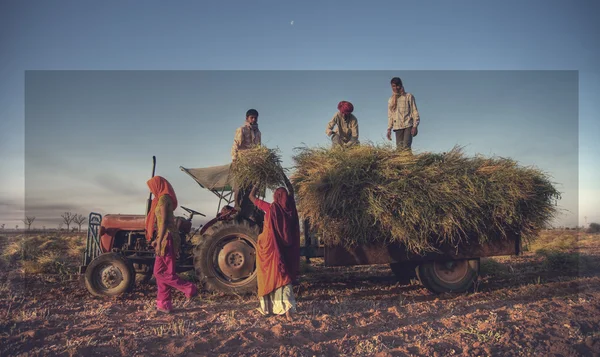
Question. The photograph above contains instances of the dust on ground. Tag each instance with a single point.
(543, 303)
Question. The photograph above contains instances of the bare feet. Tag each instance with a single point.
(189, 302)
(164, 311)
(288, 316)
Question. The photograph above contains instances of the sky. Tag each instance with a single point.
(90, 91)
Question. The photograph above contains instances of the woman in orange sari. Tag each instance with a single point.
(278, 253)
(167, 244)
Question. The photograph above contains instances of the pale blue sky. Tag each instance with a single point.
(397, 37)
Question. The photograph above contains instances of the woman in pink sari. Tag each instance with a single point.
(166, 245)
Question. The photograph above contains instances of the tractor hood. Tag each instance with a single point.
(137, 222)
(130, 222)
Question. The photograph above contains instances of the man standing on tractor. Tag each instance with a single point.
(247, 136)
(403, 116)
(347, 126)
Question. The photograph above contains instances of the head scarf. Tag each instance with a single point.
(345, 107)
(159, 186)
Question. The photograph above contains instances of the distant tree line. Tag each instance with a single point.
(68, 219)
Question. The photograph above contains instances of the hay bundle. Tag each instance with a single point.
(377, 194)
(259, 166)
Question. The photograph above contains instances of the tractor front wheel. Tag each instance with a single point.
(225, 258)
(109, 274)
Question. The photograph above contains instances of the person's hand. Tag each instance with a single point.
(389, 134)
(156, 247)
(414, 131)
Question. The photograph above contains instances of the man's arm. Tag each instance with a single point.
(390, 115)
(390, 120)
(414, 111)
(330, 126)
(354, 131)
(237, 142)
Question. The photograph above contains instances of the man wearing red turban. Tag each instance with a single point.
(347, 126)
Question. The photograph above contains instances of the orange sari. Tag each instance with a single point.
(278, 248)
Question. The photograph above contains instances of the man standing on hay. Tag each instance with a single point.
(347, 126)
(247, 136)
(403, 116)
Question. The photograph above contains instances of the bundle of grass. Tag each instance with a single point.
(259, 166)
(377, 194)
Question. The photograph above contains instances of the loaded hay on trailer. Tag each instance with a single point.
(369, 194)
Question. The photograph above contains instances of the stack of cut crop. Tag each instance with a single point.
(371, 194)
(259, 166)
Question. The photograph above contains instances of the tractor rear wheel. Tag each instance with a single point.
(448, 276)
(225, 258)
(109, 274)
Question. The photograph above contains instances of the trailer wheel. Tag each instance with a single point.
(109, 274)
(448, 276)
(225, 258)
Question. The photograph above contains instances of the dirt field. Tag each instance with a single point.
(539, 304)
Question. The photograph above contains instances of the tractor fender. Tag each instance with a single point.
(209, 224)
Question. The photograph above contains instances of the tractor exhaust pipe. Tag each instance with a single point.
(149, 202)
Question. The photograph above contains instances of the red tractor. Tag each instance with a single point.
(223, 258)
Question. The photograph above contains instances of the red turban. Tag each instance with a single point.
(345, 107)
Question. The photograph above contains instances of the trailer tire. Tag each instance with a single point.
(110, 274)
(225, 258)
(448, 276)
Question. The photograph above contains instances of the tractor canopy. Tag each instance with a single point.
(215, 179)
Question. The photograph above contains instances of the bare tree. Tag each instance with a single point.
(28, 221)
(2, 225)
(17, 227)
(60, 226)
(79, 220)
(68, 218)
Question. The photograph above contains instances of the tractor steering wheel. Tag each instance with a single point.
(192, 212)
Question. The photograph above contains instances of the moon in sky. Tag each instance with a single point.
(292, 23)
